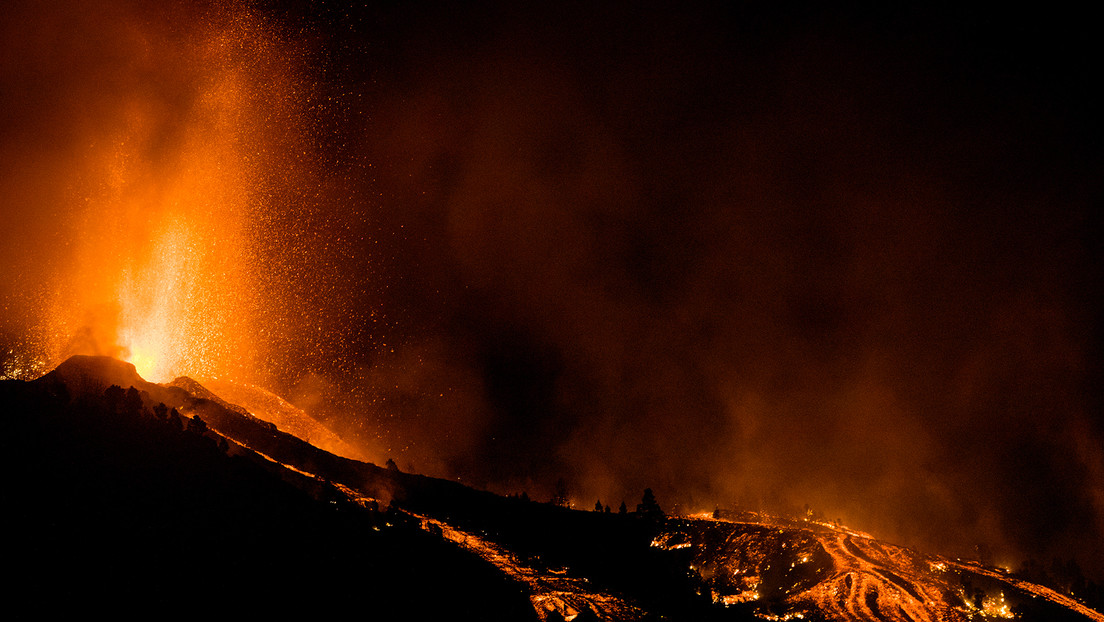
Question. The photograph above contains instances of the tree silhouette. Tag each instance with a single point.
(622, 509)
(598, 505)
(114, 396)
(391, 466)
(197, 425)
(174, 420)
(132, 402)
(648, 505)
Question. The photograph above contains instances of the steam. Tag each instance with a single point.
(759, 262)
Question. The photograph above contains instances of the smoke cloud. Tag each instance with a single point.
(759, 259)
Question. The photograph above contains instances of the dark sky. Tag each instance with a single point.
(755, 256)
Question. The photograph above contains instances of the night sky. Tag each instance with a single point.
(753, 256)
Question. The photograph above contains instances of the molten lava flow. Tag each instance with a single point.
(555, 594)
(787, 569)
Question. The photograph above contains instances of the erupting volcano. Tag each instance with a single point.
(789, 269)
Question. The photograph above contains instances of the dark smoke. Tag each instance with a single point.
(758, 257)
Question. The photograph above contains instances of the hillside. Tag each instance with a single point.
(169, 495)
(119, 511)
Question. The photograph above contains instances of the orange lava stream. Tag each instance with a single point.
(551, 594)
(864, 588)
(1038, 590)
(838, 573)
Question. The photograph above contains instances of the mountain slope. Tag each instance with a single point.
(769, 564)
(120, 511)
(285, 416)
(113, 498)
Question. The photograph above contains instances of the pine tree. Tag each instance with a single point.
(648, 505)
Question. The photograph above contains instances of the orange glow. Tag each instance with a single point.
(160, 323)
(167, 256)
(164, 257)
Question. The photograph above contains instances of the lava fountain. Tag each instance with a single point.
(166, 319)
(161, 258)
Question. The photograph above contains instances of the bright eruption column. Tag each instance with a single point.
(165, 260)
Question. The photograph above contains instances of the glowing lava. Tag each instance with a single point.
(807, 569)
(164, 248)
(154, 309)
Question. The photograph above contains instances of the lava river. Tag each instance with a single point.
(782, 569)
